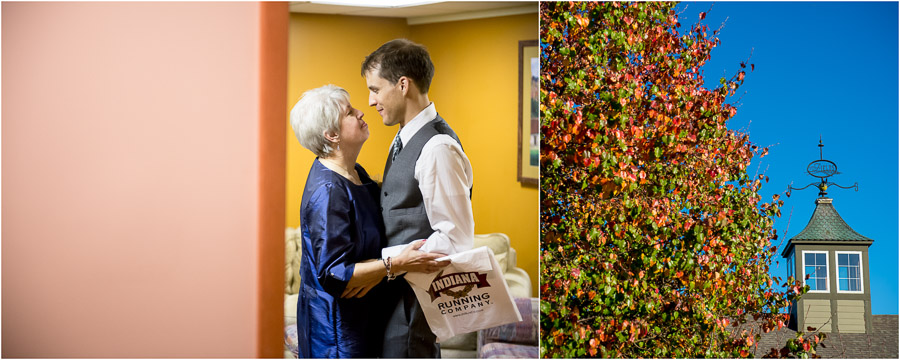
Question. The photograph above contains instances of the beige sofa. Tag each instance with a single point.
(460, 346)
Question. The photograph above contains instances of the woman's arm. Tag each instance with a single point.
(329, 231)
(368, 273)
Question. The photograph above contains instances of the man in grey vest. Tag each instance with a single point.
(426, 192)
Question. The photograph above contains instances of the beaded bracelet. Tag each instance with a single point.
(391, 275)
(387, 265)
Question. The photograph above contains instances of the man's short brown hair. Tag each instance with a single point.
(401, 57)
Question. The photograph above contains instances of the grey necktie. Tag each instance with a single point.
(395, 148)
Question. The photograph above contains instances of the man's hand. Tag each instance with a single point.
(413, 260)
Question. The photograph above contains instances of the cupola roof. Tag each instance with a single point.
(826, 226)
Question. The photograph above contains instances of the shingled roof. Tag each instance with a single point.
(882, 343)
(826, 225)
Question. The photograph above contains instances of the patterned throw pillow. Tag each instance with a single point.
(508, 351)
(290, 339)
(524, 332)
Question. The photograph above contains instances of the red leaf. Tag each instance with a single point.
(702, 15)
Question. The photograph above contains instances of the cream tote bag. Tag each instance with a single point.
(468, 295)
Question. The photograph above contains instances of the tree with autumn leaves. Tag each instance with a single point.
(655, 241)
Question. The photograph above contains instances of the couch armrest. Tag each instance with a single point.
(290, 309)
(512, 259)
(292, 248)
(519, 282)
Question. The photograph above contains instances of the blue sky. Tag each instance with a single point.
(828, 69)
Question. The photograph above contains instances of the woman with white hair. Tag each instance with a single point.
(343, 233)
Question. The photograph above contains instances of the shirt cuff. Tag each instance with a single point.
(335, 282)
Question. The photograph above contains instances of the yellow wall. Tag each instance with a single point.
(475, 88)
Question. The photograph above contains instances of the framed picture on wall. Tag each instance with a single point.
(529, 107)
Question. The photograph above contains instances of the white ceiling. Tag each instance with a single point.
(426, 13)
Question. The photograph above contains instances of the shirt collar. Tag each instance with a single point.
(413, 126)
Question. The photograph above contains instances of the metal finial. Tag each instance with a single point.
(820, 147)
(822, 169)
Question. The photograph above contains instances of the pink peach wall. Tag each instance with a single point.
(130, 162)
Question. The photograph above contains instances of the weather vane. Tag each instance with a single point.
(822, 169)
